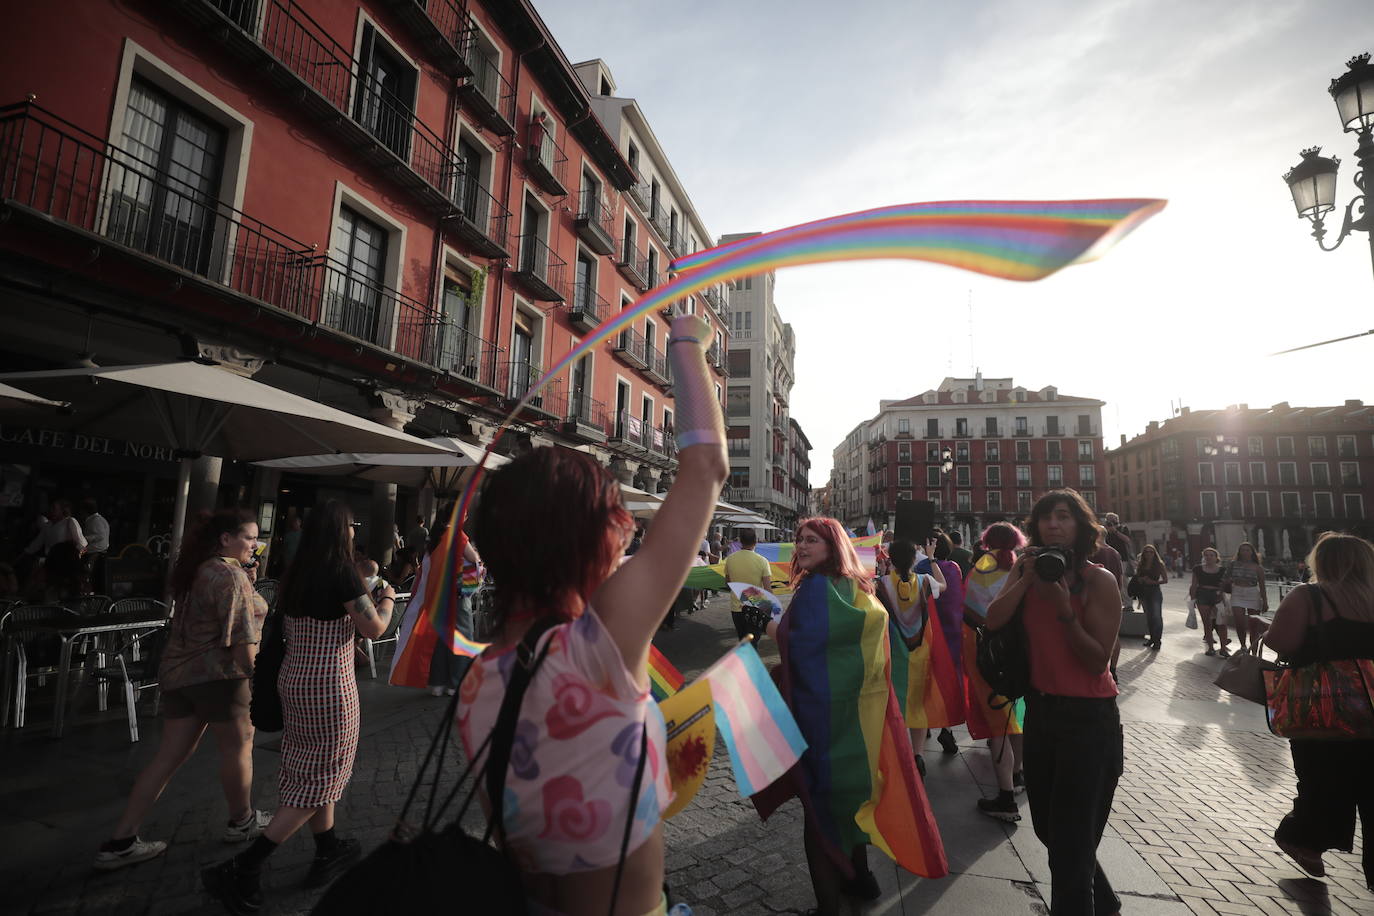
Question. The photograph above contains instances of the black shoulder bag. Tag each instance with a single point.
(417, 869)
(264, 708)
(1004, 660)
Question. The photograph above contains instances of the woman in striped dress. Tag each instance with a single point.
(326, 607)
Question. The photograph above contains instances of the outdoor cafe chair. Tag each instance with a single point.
(136, 673)
(389, 635)
(137, 606)
(21, 638)
(89, 605)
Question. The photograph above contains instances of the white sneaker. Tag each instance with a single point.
(138, 851)
(436, 691)
(247, 829)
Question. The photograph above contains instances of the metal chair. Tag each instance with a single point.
(389, 635)
(90, 605)
(268, 589)
(18, 631)
(137, 605)
(135, 669)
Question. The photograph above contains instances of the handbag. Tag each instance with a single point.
(418, 869)
(1243, 675)
(1191, 622)
(1324, 700)
(264, 708)
(1003, 659)
(1133, 588)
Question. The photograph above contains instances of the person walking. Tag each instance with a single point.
(587, 710)
(745, 565)
(1150, 576)
(417, 538)
(1334, 777)
(960, 554)
(1205, 590)
(326, 607)
(1073, 740)
(1248, 594)
(204, 677)
(1111, 524)
(949, 607)
(96, 529)
(906, 596)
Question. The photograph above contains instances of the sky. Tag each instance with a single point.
(774, 112)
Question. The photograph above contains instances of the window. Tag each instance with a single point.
(1201, 444)
(384, 102)
(992, 451)
(904, 476)
(1022, 429)
(1085, 450)
(1054, 450)
(994, 501)
(904, 494)
(1023, 478)
(904, 426)
(1260, 503)
(1254, 446)
(1345, 446)
(1087, 475)
(1090, 497)
(933, 452)
(1321, 473)
(1350, 474)
(961, 451)
(994, 475)
(627, 243)
(1288, 472)
(1056, 476)
(524, 363)
(932, 428)
(1316, 446)
(1209, 504)
(167, 219)
(932, 475)
(1023, 501)
(1292, 506)
(739, 477)
(739, 362)
(353, 294)
(1235, 504)
(736, 439)
(1285, 444)
(1023, 451)
(1051, 426)
(738, 401)
(653, 267)
(1206, 473)
(990, 426)
(933, 496)
(961, 475)
(961, 426)
(1322, 505)
(904, 452)
(1085, 425)
(963, 501)
(456, 350)
(1231, 470)
(1354, 505)
(1257, 473)
(631, 153)
(655, 192)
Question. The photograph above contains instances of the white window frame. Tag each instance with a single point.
(1283, 507)
(1357, 499)
(1325, 472)
(963, 501)
(1331, 502)
(1279, 449)
(1202, 498)
(1087, 475)
(344, 196)
(1293, 482)
(1051, 471)
(1255, 505)
(1210, 477)
(364, 20)
(451, 257)
(1027, 478)
(1262, 478)
(990, 472)
(1354, 447)
(1350, 464)
(1226, 468)
(994, 496)
(1311, 453)
(1240, 501)
(1254, 446)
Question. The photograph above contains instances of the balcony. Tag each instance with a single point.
(715, 357)
(639, 193)
(545, 161)
(627, 433)
(660, 445)
(297, 54)
(588, 309)
(539, 271)
(477, 217)
(657, 368)
(586, 419)
(633, 266)
(439, 24)
(714, 299)
(659, 220)
(629, 346)
(677, 242)
(515, 379)
(594, 223)
(62, 178)
(488, 93)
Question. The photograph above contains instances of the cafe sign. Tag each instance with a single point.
(84, 443)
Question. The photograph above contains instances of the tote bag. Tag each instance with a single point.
(1326, 700)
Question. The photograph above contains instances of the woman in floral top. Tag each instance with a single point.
(204, 676)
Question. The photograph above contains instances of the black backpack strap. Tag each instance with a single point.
(527, 662)
(630, 814)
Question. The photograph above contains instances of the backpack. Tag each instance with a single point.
(1003, 658)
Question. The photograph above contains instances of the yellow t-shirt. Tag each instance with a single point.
(747, 566)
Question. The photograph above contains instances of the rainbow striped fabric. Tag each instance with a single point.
(664, 679)
(858, 780)
(759, 731)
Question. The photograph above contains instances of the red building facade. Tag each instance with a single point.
(404, 210)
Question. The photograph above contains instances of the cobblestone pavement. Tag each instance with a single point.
(1190, 832)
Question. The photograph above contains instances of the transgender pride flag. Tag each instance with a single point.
(759, 731)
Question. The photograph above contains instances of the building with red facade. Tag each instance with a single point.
(403, 210)
(981, 449)
(1275, 476)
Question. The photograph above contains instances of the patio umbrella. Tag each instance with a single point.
(198, 409)
(640, 503)
(444, 470)
(12, 398)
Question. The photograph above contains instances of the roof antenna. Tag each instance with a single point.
(972, 362)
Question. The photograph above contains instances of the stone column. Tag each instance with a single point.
(394, 411)
(624, 470)
(205, 472)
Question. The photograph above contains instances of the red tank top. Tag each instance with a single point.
(1054, 668)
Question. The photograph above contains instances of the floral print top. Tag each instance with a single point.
(219, 612)
(576, 748)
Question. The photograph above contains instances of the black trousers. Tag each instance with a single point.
(1335, 780)
(1073, 759)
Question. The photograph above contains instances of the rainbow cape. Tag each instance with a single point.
(988, 713)
(857, 781)
(664, 679)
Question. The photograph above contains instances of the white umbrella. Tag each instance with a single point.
(442, 470)
(12, 398)
(640, 503)
(1286, 550)
(200, 410)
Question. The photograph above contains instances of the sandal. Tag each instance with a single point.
(1224, 652)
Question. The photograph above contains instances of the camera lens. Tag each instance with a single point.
(1050, 564)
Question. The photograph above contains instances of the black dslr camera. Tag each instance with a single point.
(1052, 562)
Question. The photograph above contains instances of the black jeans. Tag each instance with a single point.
(1152, 603)
(1073, 759)
(1334, 781)
(445, 668)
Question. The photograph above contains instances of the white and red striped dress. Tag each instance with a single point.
(319, 695)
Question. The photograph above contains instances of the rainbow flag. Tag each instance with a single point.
(759, 731)
(664, 679)
(779, 556)
(857, 781)
(935, 691)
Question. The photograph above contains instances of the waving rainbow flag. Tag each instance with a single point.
(857, 780)
(664, 679)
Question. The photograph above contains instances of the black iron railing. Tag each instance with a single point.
(630, 344)
(633, 266)
(587, 412)
(545, 159)
(639, 193)
(515, 379)
(589, 306)
(492, 93)
(541, 269)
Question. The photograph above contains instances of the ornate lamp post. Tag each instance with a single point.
(946, 466)
(1312, 181)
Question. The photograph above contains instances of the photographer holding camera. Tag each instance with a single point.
(1070, 611)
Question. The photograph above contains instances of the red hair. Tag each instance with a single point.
(1002, 540)
(842, 562)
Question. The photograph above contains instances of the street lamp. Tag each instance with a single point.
(1312, 182)
(947, 465)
